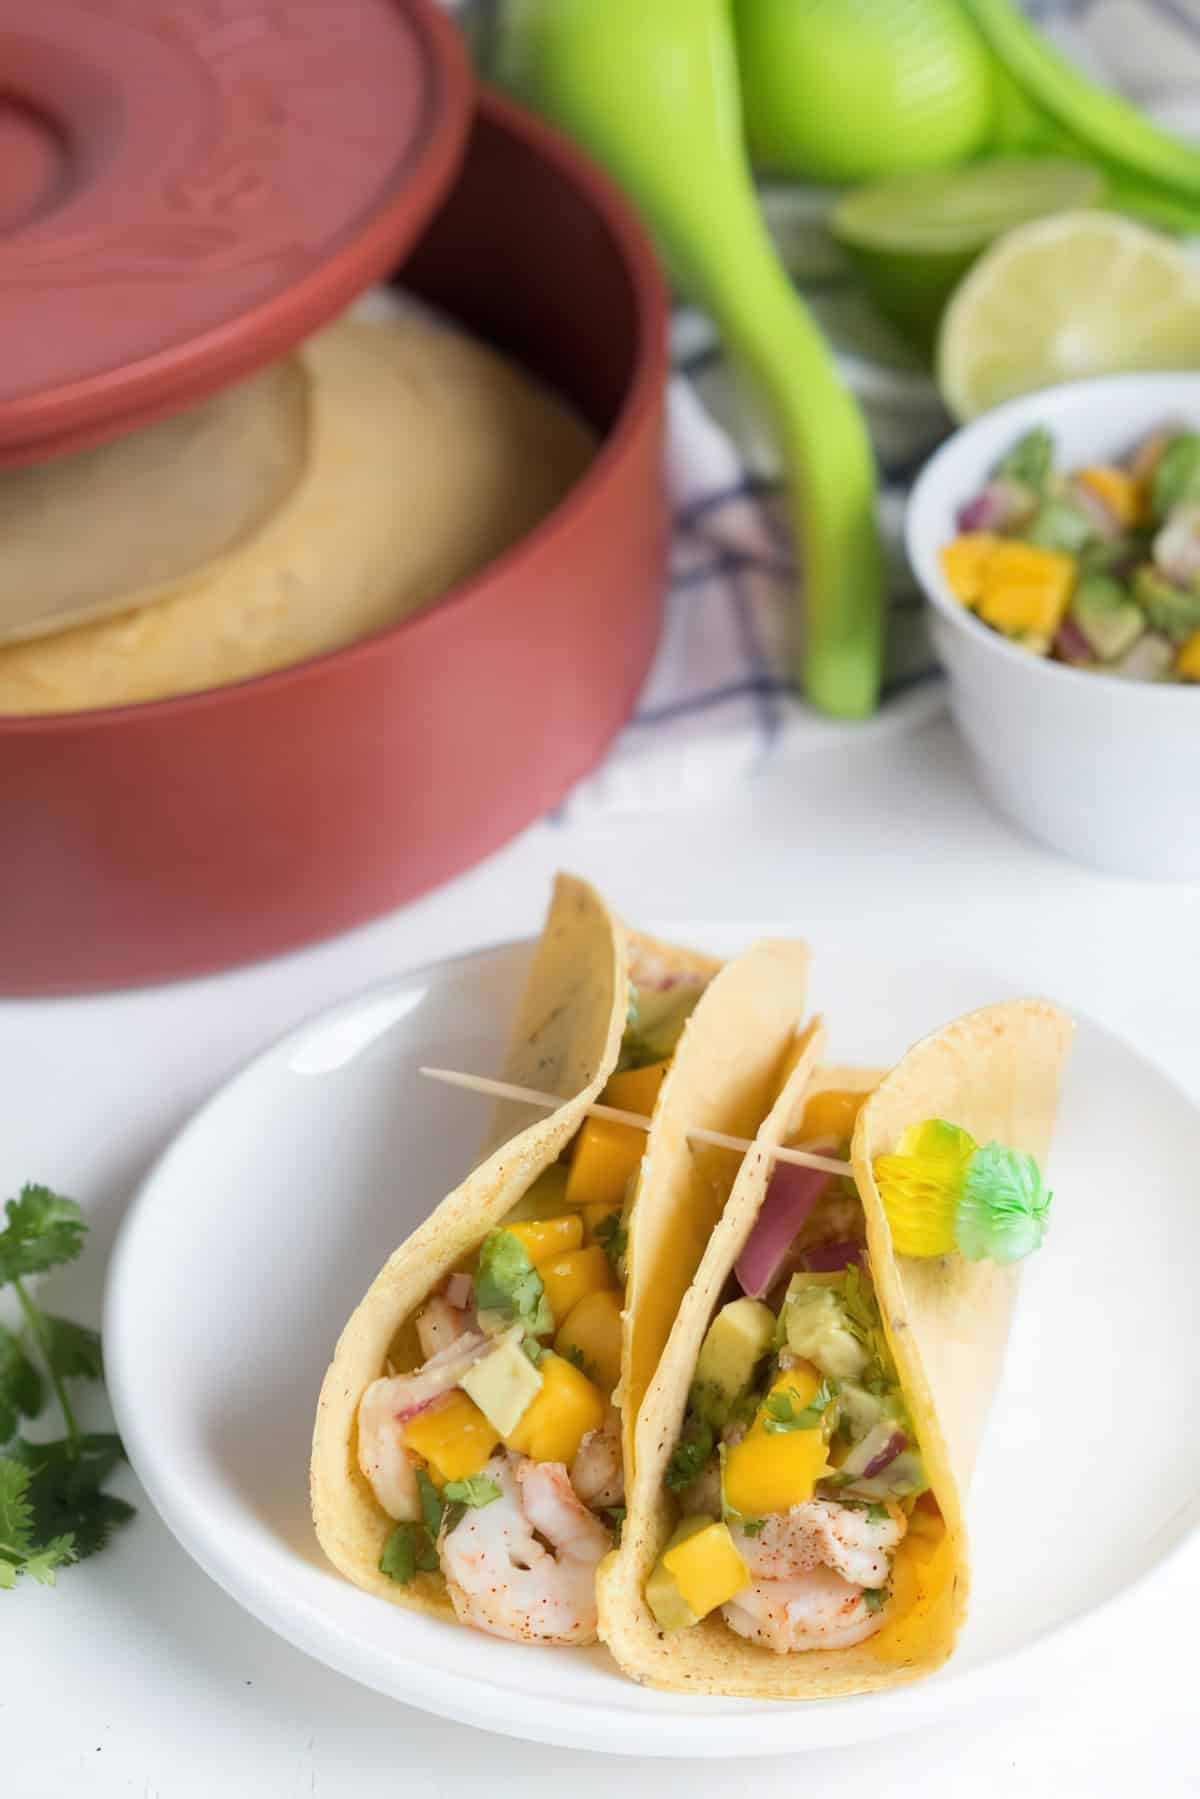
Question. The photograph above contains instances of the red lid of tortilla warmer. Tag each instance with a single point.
(189, 187)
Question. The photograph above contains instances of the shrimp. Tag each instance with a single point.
(821, 1531)
(816, 1610)
(439, 1324)
(598, 1473)
(501, 1577)
(383, 1457)
(385, 1408)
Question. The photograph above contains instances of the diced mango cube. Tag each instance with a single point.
(546, 1237)
(565, 1410)
(1187, 662)
(771, 1471)
(1116, 490)
(830, 1114)
(963, 563)
(1026, 589)
(799, 1382)
(568, 1278)
(636, 1090)
(594, 1216)
(452, 1435)
(606, 1157)
(922, 1592)
(593, 1330)
(707, 1568)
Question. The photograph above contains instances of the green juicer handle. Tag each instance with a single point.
(652, 91)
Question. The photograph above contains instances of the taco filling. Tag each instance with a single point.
(807, 1516)
(498, 1454)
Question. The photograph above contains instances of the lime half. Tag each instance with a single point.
(914, 238)
(1082, 293)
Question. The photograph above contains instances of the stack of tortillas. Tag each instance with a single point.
(330, 495)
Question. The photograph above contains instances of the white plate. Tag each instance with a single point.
(252, 1240)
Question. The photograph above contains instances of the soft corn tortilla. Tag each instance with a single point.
(109, 528)
(727, 1066)
(567, 1039)
(996, 1072)
(322, 500)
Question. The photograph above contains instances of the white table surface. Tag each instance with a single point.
(138, 1677)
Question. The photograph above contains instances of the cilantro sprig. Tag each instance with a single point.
(53, 1509)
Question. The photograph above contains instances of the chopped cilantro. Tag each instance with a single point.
(875, 1597)
(786, 1411)
(613, 1238)
(475, 1490)
(572, 1353)
(408, 1552)
(877, 1514)
(508, 1282)
(431, 1503)
(690, 1454)
(617, 1514)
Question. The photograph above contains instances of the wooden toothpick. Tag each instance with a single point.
(479, 1083)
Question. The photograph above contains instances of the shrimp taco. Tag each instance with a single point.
(795, 1519)
(468, 1457)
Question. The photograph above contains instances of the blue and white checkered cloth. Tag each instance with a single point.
(719, 702)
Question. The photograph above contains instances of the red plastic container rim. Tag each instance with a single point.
(154, 386)
(648, 376)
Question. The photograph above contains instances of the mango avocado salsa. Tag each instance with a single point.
(504, 1439)
(1098, 567)
(806, 1515)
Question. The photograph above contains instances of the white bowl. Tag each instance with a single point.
(1103, 769)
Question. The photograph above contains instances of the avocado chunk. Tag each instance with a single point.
(1170, 609)
(546, 1198)
(1059, 525)
(503, 1384)
(861, 1410)
(657, 1019)
(818, 1330)
(671, 1610)
(1177, 476)
(738, 1338)
(1108, 618)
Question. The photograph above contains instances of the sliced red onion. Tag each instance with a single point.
(999, 506)
(411, 1393)
(831, 1258)
(886, 1456)
(791, 1195)
(878, 1449)
(458, 1292)
(1071, 644)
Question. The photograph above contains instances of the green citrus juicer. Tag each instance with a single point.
(861, 90)
(650, 87)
